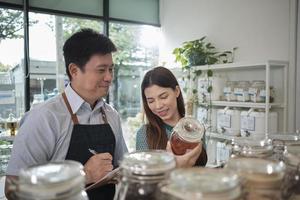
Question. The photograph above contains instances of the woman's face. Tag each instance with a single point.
(163, 103)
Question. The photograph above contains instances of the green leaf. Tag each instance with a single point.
(198, 72)
(209, 73)
(209, 89)
(195, 91)
(201, 39)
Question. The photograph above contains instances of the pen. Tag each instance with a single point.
(92, 151)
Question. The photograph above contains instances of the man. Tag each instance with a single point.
(72, 124)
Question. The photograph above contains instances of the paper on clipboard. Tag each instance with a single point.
(106, 179)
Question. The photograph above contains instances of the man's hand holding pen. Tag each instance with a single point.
(97, 166)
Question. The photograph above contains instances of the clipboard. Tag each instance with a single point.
(111, 176)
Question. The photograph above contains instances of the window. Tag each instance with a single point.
(11, 51)
(137, 52)
(46, 38)
(49, 26)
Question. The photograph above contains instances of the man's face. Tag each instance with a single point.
(93, 82)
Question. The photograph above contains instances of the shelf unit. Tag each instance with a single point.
(254, 67)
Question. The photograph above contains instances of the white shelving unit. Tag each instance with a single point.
(271, 71)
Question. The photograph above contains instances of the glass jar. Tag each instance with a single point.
(291, 183)
(252, 147)
(63, 180)
(201, 183)
(262, 179)
(141, 172)
(241, 91)
(187, 134)
(255, 90)
(280, 141)
(228, 91)
(11, 124)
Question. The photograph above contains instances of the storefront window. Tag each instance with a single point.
(11, 51)
(46, 38)
(137, 52)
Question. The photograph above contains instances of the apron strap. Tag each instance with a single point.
(103, 115)
(73, 116)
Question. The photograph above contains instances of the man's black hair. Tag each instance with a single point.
(83, 44)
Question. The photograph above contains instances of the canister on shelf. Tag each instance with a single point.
(141, 173)
(201, 184)
(216, 82)
(241, 91)
(228, 121)
(187, 134)
(255, 91)
(228, 91)
(253, 122)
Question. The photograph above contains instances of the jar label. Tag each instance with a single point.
(224, 120)
(262, 93)
(227, 90)
(252, 91)
(248, 123)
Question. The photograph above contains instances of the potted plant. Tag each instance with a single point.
(199, 52)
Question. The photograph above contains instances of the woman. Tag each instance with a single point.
(164, 107)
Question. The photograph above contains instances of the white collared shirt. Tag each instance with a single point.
(45, 131)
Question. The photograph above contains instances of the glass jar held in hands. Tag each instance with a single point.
(186, 135)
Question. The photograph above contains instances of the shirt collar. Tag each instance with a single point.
(76, 102)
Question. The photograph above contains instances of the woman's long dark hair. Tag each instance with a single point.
(156, 134)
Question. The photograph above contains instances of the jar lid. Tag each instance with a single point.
(254, 146)
(189, 129)
(150, 162)
(258, 172)
(285, 137)
(51, 179)
(200, 183)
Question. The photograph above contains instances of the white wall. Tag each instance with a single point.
(259, 28)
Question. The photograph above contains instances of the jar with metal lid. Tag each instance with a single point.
(228, 91)
(291, 183)
(187, 134)
(280, 141)
(252, 147)
(255, 89)
(262, 179)
(63, 180)
(200, 184)
(241, 91)
(141, 172)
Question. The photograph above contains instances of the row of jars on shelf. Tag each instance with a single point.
(241, 91)
(238, 122)
(152, 175)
